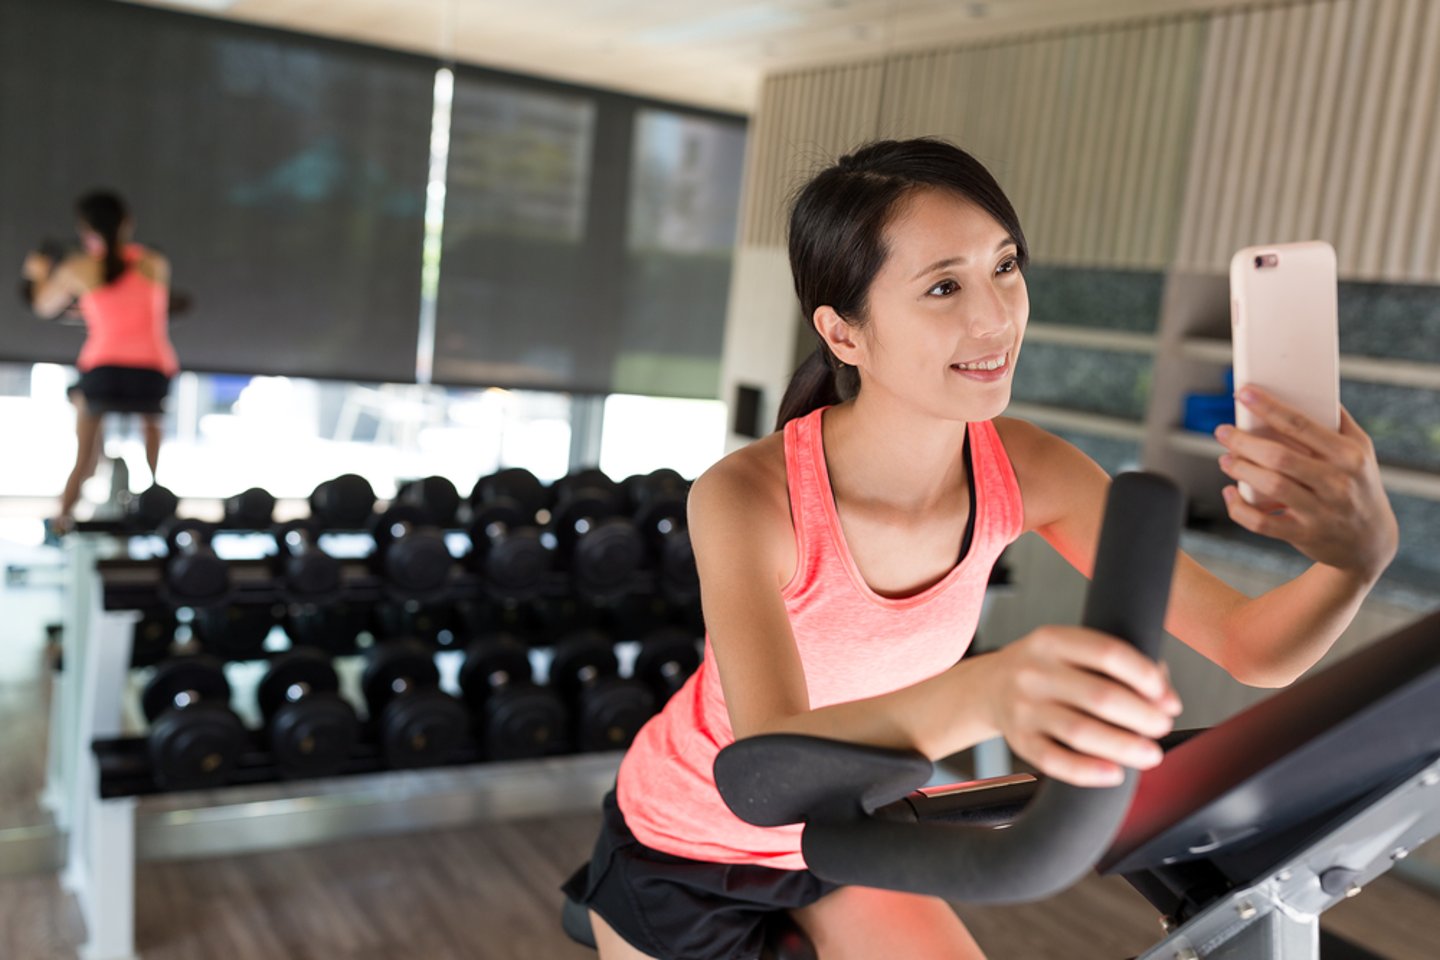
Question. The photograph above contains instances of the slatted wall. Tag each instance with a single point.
(1087, 132)
(803, 123)
(1321, 120)
(1130, 145)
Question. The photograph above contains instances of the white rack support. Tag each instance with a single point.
(100, 866)
(79, 585)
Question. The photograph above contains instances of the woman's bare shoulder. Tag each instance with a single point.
(743, 502)
(153, 264)
(1048, 468)
(751, 478)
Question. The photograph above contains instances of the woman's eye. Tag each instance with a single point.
(1010, 265)
(944, 288)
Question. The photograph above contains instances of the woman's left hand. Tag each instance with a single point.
(1325, 485)
(37, 267)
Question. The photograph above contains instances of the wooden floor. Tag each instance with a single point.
(480, 893)
(489, 893)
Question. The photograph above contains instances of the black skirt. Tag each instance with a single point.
(123, 390)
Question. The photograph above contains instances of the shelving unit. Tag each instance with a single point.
(1084, 421)
(1191, 347)
(1397, 373)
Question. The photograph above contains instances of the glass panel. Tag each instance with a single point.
(684, 202)
(516, 286)
(642, 434)
(1086, 297)
(1098, 381)
(224, 434)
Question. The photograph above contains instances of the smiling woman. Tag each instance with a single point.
(844, 558)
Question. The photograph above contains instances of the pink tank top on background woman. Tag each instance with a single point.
(127, 323)
(853, 643)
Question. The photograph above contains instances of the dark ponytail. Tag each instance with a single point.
(837, 243)
(819, 381)
(105, 213)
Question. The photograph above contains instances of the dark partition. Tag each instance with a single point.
(587, 240)
(284, 175)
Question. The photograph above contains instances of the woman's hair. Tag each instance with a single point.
(837, 242)
(104, 212)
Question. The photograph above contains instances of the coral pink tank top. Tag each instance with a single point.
(127, 323)
(853, 643)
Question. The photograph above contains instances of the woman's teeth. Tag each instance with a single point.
(984, 364)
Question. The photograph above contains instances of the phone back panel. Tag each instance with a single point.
(1285, 326)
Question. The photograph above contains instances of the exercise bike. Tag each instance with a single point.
(1241, 837)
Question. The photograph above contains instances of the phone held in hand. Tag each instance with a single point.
(1285, 326)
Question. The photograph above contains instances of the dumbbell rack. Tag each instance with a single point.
(96, 773)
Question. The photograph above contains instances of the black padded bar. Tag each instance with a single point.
(1064, 829)
(981, 803)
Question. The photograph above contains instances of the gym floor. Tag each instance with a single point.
(484, 892)
(488, 892)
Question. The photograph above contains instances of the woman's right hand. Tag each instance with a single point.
(1079, 704)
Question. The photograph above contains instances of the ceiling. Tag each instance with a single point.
(709, 53)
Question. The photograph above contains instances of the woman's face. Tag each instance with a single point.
(946, 312)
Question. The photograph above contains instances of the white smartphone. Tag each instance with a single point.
(1286, 330)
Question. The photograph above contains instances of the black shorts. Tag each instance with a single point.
(680, 909)
(123, 390)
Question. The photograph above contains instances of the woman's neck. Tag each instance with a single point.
(881, 452)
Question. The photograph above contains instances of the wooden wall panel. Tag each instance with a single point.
(1087, 131)
(1166, 142)
(1319, 120)
(804, 121)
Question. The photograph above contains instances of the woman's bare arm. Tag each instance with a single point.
(1072, 701)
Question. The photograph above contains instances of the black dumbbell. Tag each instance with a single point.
(410, 554)
(310, 574)
(481, 615)
(195, 739)
(234, 631)
(517, 719)
(667, 658)
(253, 509)
(606, 710)
(431, 623)
(657, 504)
(507, 550)
(150, 508)
(194, 575)
(311, 729)
(641, 487)
(332, 627)
(344, 503)
(513, 485)
(601, 548)
(153, 637)
(435, 497)
(416, 723)
(556, 617)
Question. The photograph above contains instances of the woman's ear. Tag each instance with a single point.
(838, 335)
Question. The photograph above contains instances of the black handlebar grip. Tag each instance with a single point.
(1064, 830)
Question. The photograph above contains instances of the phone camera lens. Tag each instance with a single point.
(1259, 262)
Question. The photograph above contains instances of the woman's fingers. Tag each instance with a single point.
(1076, 747)
(1108, 701)
(1102, 653)
(1287, 421)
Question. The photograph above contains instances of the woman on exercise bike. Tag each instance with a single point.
(843, 560)
(122, 290)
